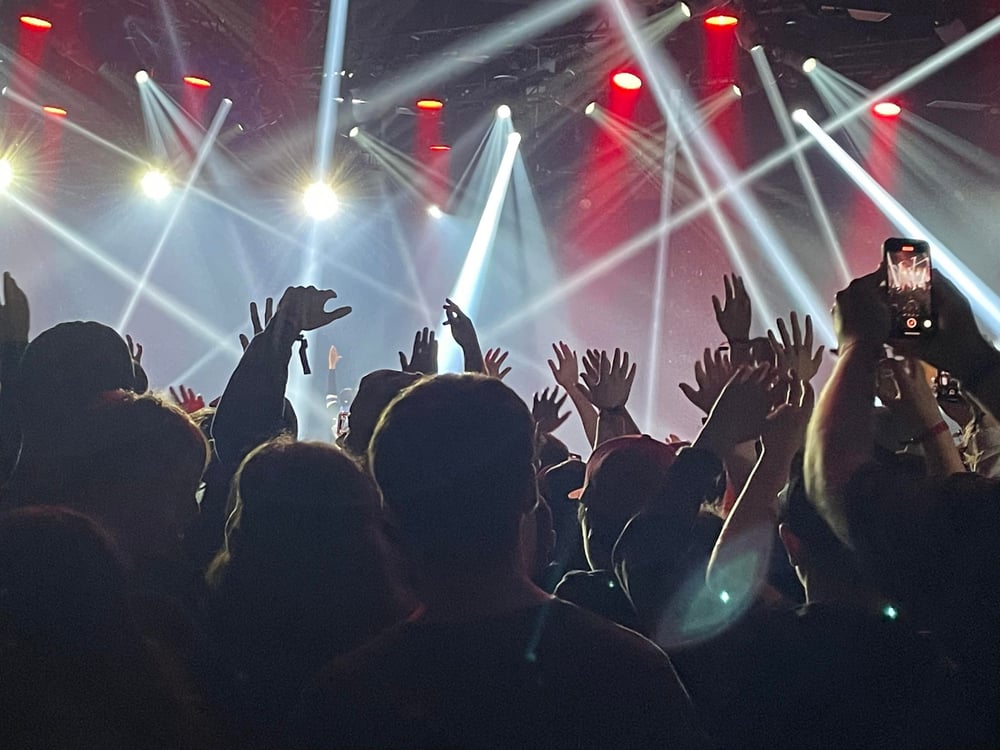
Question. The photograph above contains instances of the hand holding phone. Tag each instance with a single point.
(908, 285)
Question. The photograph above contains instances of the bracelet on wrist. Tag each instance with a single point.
(932, 432)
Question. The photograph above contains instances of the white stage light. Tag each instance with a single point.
(435, 212)
(503, 112)
(809, 65)
(590, 109)
(6, 174)
(155, 185)
(354, 132)
(142, 77)
(320, 201)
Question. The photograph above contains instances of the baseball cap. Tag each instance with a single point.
(624, 473)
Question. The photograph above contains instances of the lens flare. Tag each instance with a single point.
(320, 201)
(155, 185)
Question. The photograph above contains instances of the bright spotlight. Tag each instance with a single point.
(514, 140)
(142, 77)
(440, 147)
(54, 111)
(354, 132)
(430, 105)
(627, 81)
(198, 82)
(809, 65)
(6, 174)
(800, 116)
(320, 201)
(35, 23)
(155, 185)
(721, 20)
(685, 10)
(737, 91)
(590, 109)
(888, 110)
(503, 112)
(435, 212)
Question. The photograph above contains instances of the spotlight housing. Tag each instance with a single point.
(590, 109)
(685, 9)
(809, 65)
(887, 110)
(198, 82)
(354, 132)
(626, 81)
(503, 112)
(6, 174)
(320, 201)
(155, 185)
(737, 91)
(35, 23)
(141, 77)
(721, 21)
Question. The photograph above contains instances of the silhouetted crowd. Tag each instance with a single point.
(812, 570)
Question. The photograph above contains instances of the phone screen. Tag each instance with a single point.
(908, 282)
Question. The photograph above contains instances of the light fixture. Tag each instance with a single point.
(590, 109)
(627, 81)
(198, 82)
(435, 212)
(430, 105)
(6, 174)
(155, 185)
(35, 23)
(721, 20)
(503, 112)
(320, 201)
(141, 77)
(887, 110)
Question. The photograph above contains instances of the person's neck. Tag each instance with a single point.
(462, 592)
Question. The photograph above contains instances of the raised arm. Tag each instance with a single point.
(733, 313)
(252, 406)
(465, 336)
(840, 438)
(566, 371)
(15, 320)
(607, 383)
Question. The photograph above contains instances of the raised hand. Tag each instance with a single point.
(333, 358)
(134, 349)
(493, 363)
(255, 320)
(461, 326)
(795, 352)
(710, 377)
(739, 414)
(861, 313)
(424, 357)
(734, 313)
(566, 367)
(304, 307)
(545, 410)
(15, 317)
(608, 384)
(187, 399)
(785, 427)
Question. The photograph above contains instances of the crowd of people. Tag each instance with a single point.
(816, 568)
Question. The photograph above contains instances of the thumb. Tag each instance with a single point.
(402, 360)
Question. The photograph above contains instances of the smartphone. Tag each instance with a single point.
(908, 284)
(946, 388)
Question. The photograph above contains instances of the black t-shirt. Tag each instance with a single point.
(823, 676)
(549, 676)
(599, 591)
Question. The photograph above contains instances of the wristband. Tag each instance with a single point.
(933, 432)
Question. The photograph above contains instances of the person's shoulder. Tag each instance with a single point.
(587, 627)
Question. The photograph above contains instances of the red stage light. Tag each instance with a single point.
(440, 147)
(35, 23)
(198, 83)
(54, 111)
(888, 110)
(430, 105)
(627, 81)
(721, 20)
